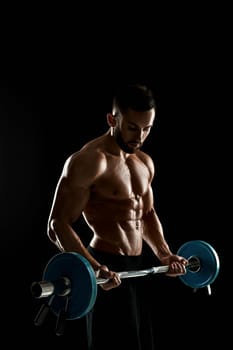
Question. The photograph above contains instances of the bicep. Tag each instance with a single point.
(74, 187)
(69, 200)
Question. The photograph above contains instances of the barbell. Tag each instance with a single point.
(69, 284)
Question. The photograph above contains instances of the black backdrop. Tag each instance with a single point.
(52, 102)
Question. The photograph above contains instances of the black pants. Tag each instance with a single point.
(120, 317)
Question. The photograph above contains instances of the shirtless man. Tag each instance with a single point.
(109, 182)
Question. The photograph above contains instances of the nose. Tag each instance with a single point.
(139, 135)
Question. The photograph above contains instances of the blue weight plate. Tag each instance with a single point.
(83, 283)
(209, 263)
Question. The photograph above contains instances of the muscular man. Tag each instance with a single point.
(109, 182)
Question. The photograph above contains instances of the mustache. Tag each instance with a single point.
(135, 141)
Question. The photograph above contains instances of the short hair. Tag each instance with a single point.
(134, 96)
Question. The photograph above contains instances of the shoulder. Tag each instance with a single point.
(89, 161)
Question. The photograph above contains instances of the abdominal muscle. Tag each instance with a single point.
(115, 230)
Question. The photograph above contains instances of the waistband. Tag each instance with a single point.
(117, 262)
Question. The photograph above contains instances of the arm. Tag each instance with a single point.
(71, 196)
(70, 199)
(154, 237)
(153, 233)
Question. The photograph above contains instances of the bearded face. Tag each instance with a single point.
(132, 128)
(129, 146)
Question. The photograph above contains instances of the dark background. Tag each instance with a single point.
(57, 79)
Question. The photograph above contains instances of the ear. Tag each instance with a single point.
(111, 119)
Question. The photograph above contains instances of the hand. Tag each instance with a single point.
(177, 265)
(113, 278)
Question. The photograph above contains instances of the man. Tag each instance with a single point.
(109, 182)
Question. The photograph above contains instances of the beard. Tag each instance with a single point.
(122, 144)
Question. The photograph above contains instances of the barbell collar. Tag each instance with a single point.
(43, 289)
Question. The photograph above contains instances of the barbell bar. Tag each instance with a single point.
(69, 280)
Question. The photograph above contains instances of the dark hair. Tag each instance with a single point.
(135, 96)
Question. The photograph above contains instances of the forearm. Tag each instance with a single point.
(67, 240)
(153, 235)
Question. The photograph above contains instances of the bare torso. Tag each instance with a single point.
(117, 202)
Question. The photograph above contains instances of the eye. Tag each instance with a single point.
(132, 128)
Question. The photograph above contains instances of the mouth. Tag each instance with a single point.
(134, 144)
